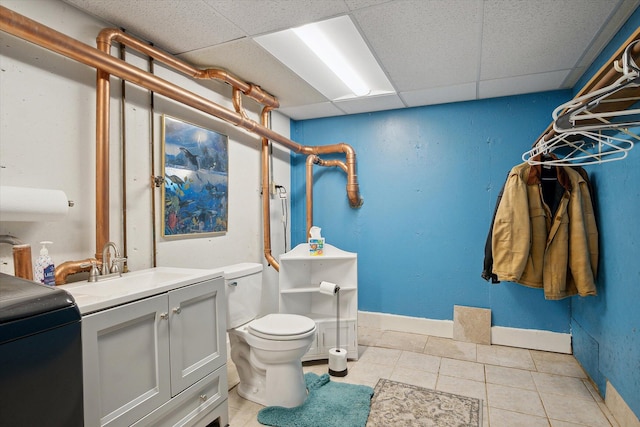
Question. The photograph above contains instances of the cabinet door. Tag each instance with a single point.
(197, 315)
(327, 331)
(125, 362)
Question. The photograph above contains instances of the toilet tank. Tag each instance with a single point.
(243, 288)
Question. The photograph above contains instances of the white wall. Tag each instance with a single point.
(47, 140)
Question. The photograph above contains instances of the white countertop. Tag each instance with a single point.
(95, 296)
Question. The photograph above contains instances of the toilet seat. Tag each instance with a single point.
(282, 327)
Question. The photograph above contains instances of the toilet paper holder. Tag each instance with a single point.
(337, 355)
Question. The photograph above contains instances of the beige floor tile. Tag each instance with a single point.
(557, 384)
(368, 336)
(419, 361)
(462, 369)
(557, 363)
(414, 377)
(380, 356)
(318, 367)
(462, 387)
(241, 411)
(571, 409)
(514, 399)
(510, 357)
(557, 423)
(604, 408)
(512, 377)
(402, 341)
(503, 418)
(446, 347)
(368, 374)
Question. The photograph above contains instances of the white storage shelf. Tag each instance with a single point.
(300, 278)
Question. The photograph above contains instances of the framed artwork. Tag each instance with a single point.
(195, 162)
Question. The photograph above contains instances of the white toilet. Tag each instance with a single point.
(267, 351)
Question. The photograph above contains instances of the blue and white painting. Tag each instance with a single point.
(196, 162)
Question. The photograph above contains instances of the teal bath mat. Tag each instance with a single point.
(329, 404)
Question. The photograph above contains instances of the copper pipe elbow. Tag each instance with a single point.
(68, 268)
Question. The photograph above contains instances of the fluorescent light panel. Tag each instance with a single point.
(311, 51)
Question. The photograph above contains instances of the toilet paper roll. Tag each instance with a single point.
(337, 362)
(32, 204)
(328, 288)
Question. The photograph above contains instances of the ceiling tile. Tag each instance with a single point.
(311, 111)
(165, 23)
(424, 43)
(540, 82)
(258, 17)
(247, 60)
(373, 103)
(544, 35)
(440, 95)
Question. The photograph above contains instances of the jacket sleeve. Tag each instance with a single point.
(512, 230)
(487, 270)
(583, 241)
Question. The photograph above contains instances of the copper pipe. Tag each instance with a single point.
(109, 35)
(103, 85)
(315, 160)
(266, 198)
(22, 265)
(237, 103)
(31, 31)
(72, 267)
(311, 160)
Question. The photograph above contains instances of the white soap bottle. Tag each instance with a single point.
(45, 270)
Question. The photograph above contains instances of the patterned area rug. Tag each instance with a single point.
(404, 405)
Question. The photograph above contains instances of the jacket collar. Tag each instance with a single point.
(535, 172)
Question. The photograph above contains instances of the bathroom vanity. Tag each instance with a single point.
(299, 283)
(154, 348)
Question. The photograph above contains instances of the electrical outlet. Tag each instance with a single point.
(272, 188)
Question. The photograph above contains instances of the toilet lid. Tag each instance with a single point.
(281, 326)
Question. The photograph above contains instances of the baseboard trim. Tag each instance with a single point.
(513, 337)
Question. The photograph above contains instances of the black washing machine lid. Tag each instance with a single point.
(21, 298)
(28, 307)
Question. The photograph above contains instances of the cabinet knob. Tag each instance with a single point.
(177, 310)
(203, 397)
(232, 284)
(164, 316)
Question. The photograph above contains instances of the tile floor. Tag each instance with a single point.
(518, 387)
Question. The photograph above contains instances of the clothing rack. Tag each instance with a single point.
(600, 124)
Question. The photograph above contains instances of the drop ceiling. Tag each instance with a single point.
(432, 51)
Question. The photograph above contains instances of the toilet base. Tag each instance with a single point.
(280, 382)
(285, 383)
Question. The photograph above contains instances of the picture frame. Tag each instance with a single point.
(195, 165)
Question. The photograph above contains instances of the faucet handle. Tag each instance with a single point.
(94, 273)
(117, 264)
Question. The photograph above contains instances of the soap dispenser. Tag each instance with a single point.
(45, 270)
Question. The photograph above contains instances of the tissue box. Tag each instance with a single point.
(316, 247)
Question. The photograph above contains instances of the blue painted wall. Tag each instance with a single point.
(606, 329)
(429, 177)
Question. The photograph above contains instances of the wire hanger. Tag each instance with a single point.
(580, 148)
(581, 113)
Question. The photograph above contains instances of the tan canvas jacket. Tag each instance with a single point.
(530, 247)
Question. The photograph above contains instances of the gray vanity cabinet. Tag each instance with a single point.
(160, 360)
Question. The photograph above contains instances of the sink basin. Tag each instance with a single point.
(131, 286)
(129, 283)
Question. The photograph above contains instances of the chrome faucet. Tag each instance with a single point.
(116, 262)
